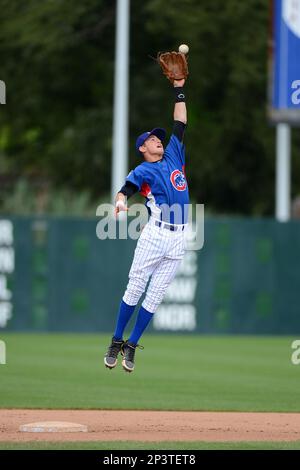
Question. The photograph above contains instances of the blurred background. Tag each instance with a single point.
(56, 146)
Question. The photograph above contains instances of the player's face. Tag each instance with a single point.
(152, 148)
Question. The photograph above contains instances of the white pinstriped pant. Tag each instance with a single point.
(158, 254)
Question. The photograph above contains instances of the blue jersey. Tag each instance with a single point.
(164, 184)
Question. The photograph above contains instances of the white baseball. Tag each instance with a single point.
(183, 48)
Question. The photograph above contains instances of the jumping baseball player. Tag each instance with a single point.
(161, 179)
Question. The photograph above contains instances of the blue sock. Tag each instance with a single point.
(141, 324)
(125, 313)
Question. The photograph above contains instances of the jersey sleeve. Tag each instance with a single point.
(175, 150)
(138, 176)
(129, 189)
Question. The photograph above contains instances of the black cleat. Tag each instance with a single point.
(128, 352)
(111, 357)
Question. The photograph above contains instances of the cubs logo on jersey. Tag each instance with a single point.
(178, 180)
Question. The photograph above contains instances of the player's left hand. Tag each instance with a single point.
(174, 66)
(178, 83)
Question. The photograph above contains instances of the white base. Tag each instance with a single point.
(53, 426)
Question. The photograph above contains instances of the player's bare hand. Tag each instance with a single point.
(178, 83)
(120, 206)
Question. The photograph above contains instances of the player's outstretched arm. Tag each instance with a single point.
(175, 67)
(180, 112)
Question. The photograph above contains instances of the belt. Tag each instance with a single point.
(173, 228)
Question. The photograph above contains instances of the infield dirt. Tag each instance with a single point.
(151, 426)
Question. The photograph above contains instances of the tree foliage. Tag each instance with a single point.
(57, 59)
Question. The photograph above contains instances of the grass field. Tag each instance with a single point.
(152, 446)
(172, 373)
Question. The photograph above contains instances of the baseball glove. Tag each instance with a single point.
(174, 65)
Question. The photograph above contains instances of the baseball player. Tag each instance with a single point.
(161, 179)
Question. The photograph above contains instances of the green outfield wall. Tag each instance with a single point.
(56, 275)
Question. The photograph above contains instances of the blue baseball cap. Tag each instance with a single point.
(159, 132)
